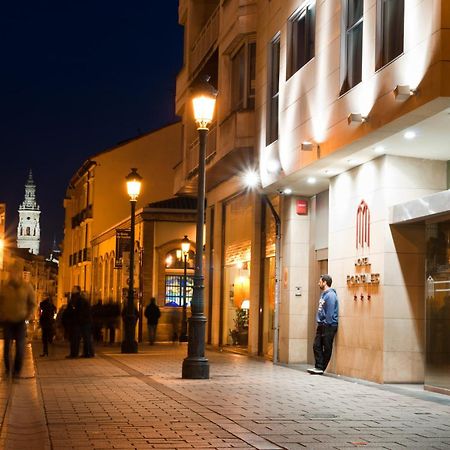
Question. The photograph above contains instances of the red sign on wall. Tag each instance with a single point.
(301, 207)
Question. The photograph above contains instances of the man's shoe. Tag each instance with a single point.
(315, 371)
(43, 354)
(71, 357)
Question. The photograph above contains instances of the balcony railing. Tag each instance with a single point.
(83, 215)
(205, 41)
(192, 153)
(80, 256)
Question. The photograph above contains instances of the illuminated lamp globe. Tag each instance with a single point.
(185, 245)
(134, 181)
(204, 102)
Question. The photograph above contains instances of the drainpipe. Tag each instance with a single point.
(277, 277)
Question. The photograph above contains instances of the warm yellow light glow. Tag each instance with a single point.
(245, 304)
(203, 110)
(134, 181)
(178, 253)
(2, 247)
(239, 264)
(185, 245)
(169, 261)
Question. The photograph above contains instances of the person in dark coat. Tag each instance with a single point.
(47, 322)
(111, 313)
(77, 319)
(70, 323)
(85, 319)
(152, 314)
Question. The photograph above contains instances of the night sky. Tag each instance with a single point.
(77, 77)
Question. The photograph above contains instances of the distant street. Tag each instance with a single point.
(116, 401)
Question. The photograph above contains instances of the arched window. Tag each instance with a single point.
(27, 231)
(174, 277)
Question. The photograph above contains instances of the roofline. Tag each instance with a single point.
(90, 162)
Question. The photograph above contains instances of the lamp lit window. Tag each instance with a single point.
(301, 39)
(390, 30)
(352, 44)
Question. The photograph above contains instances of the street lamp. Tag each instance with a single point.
(129, 343)
(185, 247)
(195, 365)
(251, 179)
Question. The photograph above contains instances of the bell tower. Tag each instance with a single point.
(28, 230)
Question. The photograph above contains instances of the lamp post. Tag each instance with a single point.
(195, 365)
(185, 247)
(129, 343)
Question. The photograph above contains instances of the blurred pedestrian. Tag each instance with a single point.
(47, 311)
(111, 313)
(70, 323)
(17, 304)
(152, 313)
(98, 321)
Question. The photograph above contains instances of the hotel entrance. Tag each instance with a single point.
(437, 290)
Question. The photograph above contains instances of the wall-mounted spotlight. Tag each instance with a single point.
(287, 191)
(308, 146)
(356, 118)
(403, 92)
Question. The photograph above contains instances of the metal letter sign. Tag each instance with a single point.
(122, 245)
(363, 225)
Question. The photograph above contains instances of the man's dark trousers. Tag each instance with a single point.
(14, 332)
(323, 345)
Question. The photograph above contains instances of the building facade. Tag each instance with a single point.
(343, 105)
(28, 228)
(96, 198)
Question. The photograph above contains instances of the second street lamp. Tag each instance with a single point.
(195, 365)
(185, 247)
(129, 343)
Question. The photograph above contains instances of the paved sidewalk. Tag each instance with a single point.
(117, 401)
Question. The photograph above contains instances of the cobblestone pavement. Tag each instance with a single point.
(116, 401)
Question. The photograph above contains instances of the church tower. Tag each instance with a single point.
(28, 230)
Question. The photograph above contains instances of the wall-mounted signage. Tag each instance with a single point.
(362, 225)
(123, 237)
(301, 207)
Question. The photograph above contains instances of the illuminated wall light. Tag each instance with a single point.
(311, 180)
(356, 118)
(287, 191)
(403, 92)
(409, 135)
(251, 178)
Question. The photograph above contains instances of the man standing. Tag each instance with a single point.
(17, 304)
(327, 324)
(47, 322)
(152, 313)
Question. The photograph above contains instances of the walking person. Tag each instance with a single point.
(17, 304)
(47, 322)
(327, 325)
(152, 314)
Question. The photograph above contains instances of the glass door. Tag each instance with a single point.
(437, 368)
